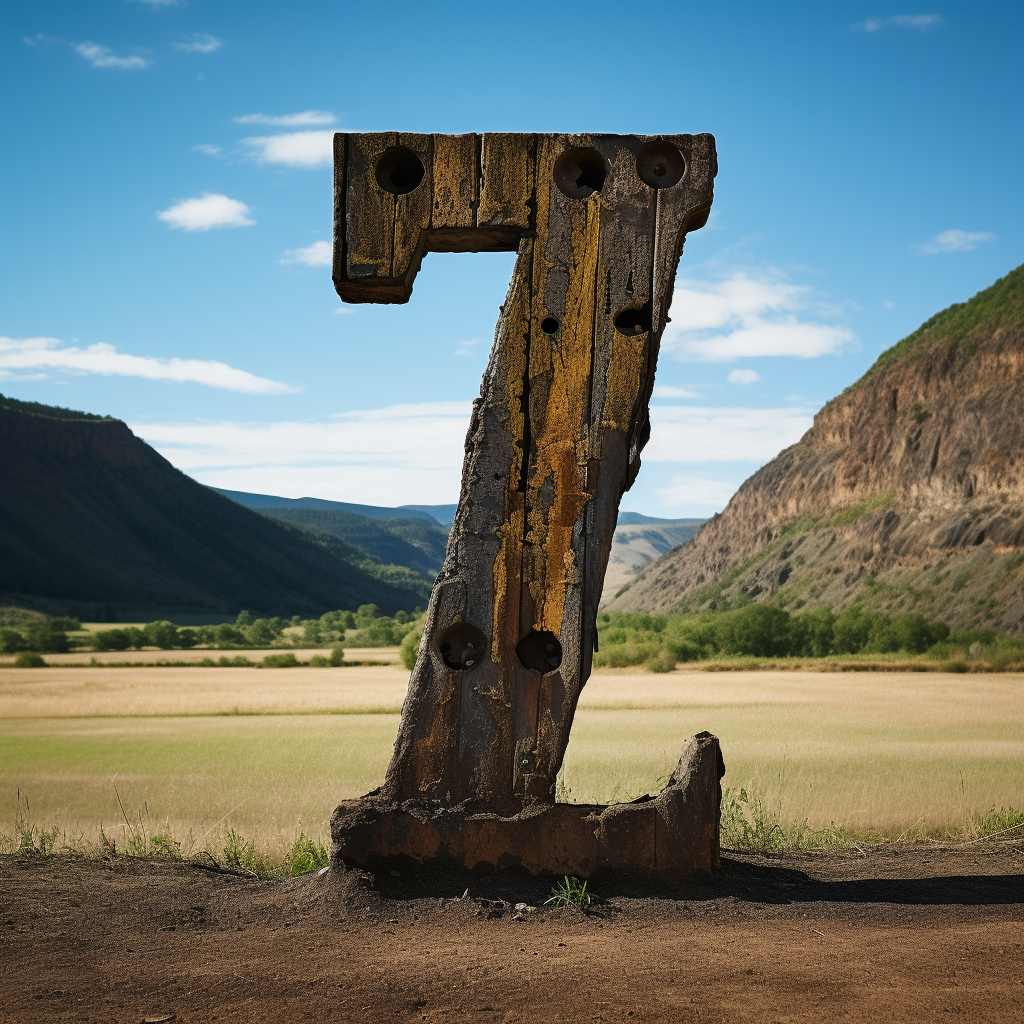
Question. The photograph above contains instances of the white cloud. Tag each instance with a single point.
(697, 490)
(319, 254)
(159, 3)
(953, 241)
(54, 354)
(304, 118)
(744, 377)
(294, 149)
(200, 42)
(390, 456)
(101, 57)
(467, 347)
(746, 317)
(697, 434)
(209, 149)
(210, 210)
(668, 391)
(918, 22)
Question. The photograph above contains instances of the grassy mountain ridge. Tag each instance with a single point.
(90, 514)
(1000, 305)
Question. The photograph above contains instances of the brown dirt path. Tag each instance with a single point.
(921, 934)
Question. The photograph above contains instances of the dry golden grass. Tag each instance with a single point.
(151, 656)
(270, 747)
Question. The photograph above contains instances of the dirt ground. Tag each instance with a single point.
(919, 933)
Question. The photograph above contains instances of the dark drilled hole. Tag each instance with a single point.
(540, 651)
(660, 165)
(549, 325)
(580, 173)
(462, 646)
(632, 321)
(399, 170)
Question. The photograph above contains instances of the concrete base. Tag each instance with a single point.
(672, 836)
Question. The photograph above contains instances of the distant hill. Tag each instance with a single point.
(418, 544)
(639, 540)
(906, 495)
(444, 514)
(265, 501)
(93, 520)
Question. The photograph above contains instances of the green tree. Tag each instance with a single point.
(813, 632)
(759, 629)
(11, 641)
(42, 636)
(162, 634)
(244, 619)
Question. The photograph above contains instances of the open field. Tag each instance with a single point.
(270, 751)
(195, 655)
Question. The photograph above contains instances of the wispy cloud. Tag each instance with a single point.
(744, 377)
(293, 149)
(745, 317)
(199, 42)
(156, 4)
(102, 57)
(467, 347)
(916, 22)
(953, 241)
(319, 254)
(304, 118)
(697, 490)
(393, 455)
(700, 434)
(209, 149)
(210, 210)
(20, 354)
(668, 391)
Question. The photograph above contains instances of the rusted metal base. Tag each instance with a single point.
(671, 836)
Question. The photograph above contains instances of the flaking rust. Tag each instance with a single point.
(598, 222)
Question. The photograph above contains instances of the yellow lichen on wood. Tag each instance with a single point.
(629, 356)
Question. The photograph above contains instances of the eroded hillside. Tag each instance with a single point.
(907, 494)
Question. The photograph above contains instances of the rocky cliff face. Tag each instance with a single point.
(906, 494)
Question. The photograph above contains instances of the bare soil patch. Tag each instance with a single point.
(909, 934)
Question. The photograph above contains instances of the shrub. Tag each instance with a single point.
(663, 661)
(410, 645)
(29, 659)
(318, 661)
(111, 640)
(760, 630)
(281, 661)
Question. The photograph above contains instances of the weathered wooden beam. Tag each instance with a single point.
(598, 222)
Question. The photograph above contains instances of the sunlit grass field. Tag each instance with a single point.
(269, 752)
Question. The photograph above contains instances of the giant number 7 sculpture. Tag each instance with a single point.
(598, 222)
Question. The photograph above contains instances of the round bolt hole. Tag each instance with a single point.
(580, 173)
(632, 322)
(462, 646)
(660, 165)
(540, 650)
(399, 170)
(549, 325)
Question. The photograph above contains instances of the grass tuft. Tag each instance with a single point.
(571, 892)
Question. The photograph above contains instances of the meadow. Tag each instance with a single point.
(268, 752)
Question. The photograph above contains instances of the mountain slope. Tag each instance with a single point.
(414, 543)
(907, 494)
(639, 540)
(262, 502)
(90, 515)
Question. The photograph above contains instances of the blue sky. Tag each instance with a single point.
(166, 193)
